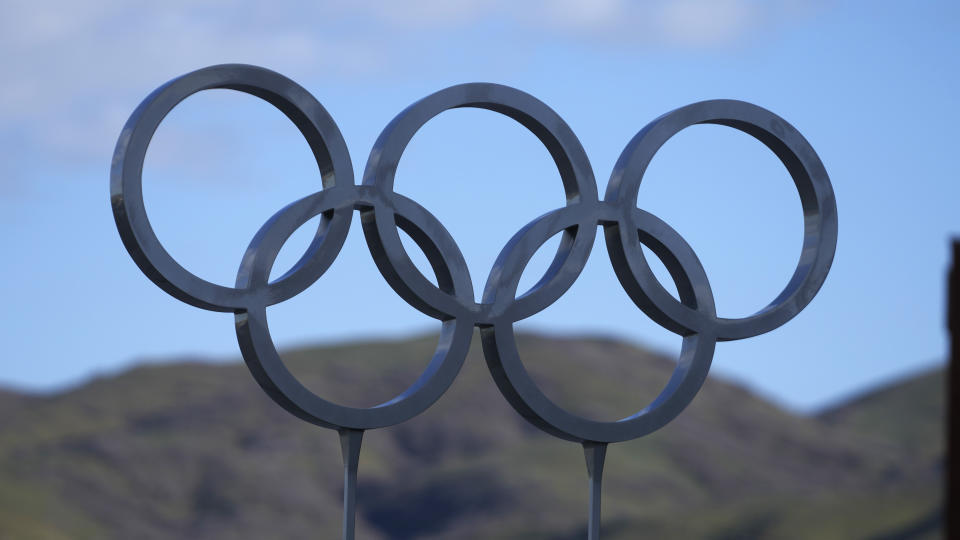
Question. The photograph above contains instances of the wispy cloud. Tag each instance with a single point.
(72, 69)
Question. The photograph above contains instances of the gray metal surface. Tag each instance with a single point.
(951, 503)
(451, 301)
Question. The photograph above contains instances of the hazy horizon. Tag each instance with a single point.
(226, 359)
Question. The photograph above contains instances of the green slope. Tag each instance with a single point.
(908, 413)
(198, 451)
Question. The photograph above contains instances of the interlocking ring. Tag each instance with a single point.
(451, 300)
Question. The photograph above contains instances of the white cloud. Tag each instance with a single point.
(577, 14)
(707, 22)
(72, 69)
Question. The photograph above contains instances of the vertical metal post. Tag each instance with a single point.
(952, 488)
(595, 453)
(350, 440)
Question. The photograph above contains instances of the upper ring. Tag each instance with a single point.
(816, 197)
(126, 180)
(576, 175)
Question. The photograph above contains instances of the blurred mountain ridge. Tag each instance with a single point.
(197, 450)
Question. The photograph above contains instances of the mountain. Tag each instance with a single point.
(906, 413)
(195, 450)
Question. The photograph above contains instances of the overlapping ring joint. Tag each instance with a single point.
(451, 300)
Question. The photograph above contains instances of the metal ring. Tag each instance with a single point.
(126, 181)
(816, 197)
(260, 353)
(696, 354)
(576, 175)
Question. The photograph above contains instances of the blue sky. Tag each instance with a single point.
(872, 85)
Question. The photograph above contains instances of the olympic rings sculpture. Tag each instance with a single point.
(451, 300)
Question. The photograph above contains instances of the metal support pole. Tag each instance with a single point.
(952, 488)
(350, 440)
(595, 453)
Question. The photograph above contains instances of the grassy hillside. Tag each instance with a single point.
(194, 450)
(907, 413)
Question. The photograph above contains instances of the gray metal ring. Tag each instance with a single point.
(696, 353)
(126, 182)
(816, 197)
(576, 174)
(259, 350)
